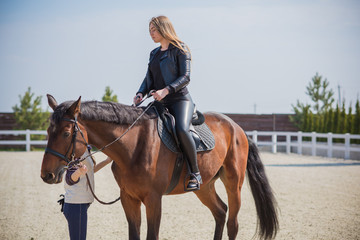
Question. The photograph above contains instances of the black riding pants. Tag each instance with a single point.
(182, 109)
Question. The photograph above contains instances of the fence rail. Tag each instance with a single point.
(295, 139)
(27, 142)
(289, 140)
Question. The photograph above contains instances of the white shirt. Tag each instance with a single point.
(80, 191)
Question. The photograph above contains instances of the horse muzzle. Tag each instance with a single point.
(52, 178)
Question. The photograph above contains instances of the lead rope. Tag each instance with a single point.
(92, 191)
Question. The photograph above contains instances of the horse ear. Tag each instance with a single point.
(52, 102)
(74, 110)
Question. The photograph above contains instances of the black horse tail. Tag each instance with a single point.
(266, 206)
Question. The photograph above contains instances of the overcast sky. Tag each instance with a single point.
(247, 55)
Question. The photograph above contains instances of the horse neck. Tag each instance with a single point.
(102, 133)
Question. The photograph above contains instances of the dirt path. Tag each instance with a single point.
(317, 202)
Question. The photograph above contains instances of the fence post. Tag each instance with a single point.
(28, 140)
(347, 145)
(313, 143)
(330, 145)
(299, 144)
(255, 137)
(274, 143)
(288, 142)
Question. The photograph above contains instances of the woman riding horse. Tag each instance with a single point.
(143, 165)
(169, 73)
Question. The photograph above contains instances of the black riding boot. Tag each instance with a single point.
(183, 111)
(189, 149)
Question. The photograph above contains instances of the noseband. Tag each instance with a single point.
(70, 161)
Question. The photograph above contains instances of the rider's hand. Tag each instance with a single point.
(138, 98)
(160, 94)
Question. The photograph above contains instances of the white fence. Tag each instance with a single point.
(295, 140)
(27, 142)
(291, 141)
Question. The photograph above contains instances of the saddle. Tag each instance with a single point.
(202, 135)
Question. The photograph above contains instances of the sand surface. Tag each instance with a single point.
(316, 202)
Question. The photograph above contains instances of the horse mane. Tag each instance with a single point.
(110, 112)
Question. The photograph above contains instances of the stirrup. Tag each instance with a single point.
(195, 181)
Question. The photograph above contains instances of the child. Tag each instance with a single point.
(78, 196)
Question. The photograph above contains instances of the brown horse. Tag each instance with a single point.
(143, 165)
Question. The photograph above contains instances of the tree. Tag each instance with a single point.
(310, 122)
(349, 121)
(336, 120)
(321, 123)
(108, 96)
(319, 94)
(300, 119)
(342, 119)
(330, 121)
(310, 117)
(29, 114)
(356, 121)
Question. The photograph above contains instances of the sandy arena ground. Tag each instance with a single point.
(316, 202)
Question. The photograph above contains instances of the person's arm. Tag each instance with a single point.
(102, 164)
(184, 60)
(144, 88)
(73, 174)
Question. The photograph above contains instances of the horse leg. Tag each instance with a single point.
(233, 182)
(153, 215)
(218, 208)
(234, 198)
(132, 208)
(233, 178)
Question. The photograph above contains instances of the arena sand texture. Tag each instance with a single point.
(318, 198)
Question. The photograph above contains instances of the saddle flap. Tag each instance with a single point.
(169, 122)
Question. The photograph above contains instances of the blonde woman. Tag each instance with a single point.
(168, 74)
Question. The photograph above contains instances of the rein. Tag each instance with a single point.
(118, 138)
(74, 160)
(73, 141)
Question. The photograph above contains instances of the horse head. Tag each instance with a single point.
(67, 140)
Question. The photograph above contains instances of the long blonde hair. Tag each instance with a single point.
(167, 31)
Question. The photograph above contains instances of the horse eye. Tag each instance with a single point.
(66, 134)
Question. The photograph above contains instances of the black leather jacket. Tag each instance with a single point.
(175, 69)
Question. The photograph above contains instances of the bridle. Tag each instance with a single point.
(73, 160)
(70, 160)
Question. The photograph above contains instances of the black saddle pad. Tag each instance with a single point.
(207, 140)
